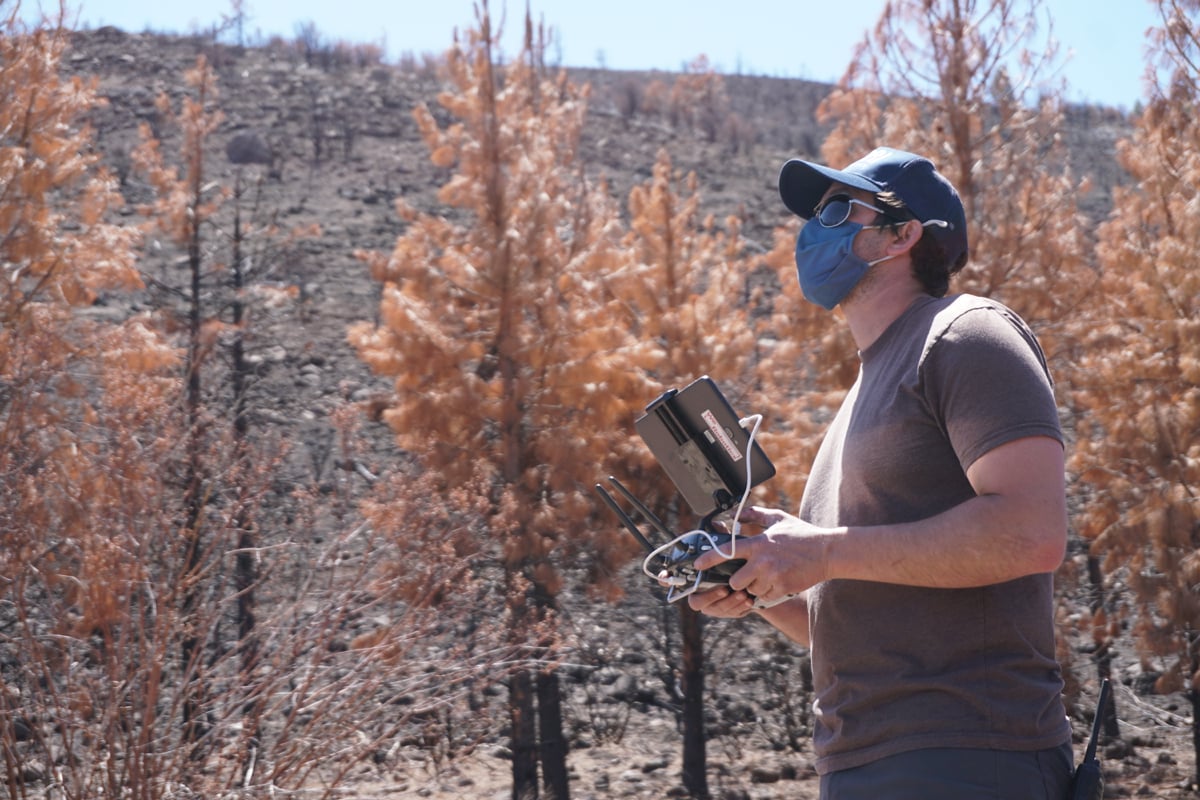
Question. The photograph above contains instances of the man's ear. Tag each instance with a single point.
(907, 235)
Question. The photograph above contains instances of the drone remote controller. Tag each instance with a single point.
(678, 565)
(712, 458)
(673, 563)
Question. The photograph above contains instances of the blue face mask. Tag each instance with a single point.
(826, 263)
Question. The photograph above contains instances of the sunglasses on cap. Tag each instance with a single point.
(837, 209)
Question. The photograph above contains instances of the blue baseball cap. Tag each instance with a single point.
(911, 178)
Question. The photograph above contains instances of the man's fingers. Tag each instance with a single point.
(761, 515)
(741, 547)
(745, 579)
(722, 602)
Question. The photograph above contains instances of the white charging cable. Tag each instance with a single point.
(676, 581)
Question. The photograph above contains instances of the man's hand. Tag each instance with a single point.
(761, 551)
(722, 602)
(784, 560)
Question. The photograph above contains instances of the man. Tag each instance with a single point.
(919, 567)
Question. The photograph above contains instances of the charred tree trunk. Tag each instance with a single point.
(246, 572)
(245, 562)
(1104, 653)
(1193, 695)
(246, 575)
(524, 736)
(695, 767)
(552, 743)
(194, 726)
(521, 699)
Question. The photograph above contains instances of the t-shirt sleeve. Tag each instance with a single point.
(986, 381)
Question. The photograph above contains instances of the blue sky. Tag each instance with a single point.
(1102, 44)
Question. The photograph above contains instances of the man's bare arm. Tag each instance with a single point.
(1016, 525)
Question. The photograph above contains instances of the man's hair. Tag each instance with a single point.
(930, 263)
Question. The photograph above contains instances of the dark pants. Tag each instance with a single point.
(956, 774)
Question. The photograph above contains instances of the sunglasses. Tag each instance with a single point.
(837, 209)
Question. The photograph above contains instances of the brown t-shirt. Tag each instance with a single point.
(900, 668)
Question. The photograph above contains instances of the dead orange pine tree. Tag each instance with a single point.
(966, 84)
(503, 369)
(81, 438)
(230, 240)
(688, 292)
(184, 208)
(60, 255)
(1137, 453)
(698, 100)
